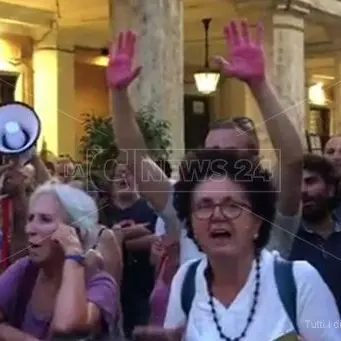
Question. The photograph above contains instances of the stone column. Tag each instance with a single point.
(54, 93)
(159, 24)
(288, 68)
(337, 97)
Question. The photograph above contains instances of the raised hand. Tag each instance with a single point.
(247, 55)
(66, 236)
(120, 72)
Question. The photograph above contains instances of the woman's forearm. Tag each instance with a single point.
(9, 333)
(134, 232)
(282, 132)
(71, 312)
(130, 140)
(126, 129)
(141, 243)
(287, 143)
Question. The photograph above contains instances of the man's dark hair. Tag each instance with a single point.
(256, 181)
(321, 166)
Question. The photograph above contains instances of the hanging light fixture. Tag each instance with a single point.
(206, 80)
(317, 95)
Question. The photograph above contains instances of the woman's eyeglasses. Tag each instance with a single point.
(229, 209)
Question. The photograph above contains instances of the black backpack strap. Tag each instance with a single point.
(25, 288)
(188, 288)
(286, 287)
(100, 232)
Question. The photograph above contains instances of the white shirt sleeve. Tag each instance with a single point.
(317, 314)
(175, 317)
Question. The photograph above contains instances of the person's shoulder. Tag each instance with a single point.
(18, 268)
(306, 276)
(295, 219)
(184, 268)
(302, 267)
(105, 234)
(21, 263)
(101, 278)
(302, 270)
(102, 290)
(186, 265)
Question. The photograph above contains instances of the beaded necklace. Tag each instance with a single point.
(209, 279)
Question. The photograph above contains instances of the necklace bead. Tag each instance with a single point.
(209, 279)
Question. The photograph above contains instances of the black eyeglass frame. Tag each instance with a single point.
(241, 207)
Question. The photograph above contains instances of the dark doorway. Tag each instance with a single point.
(7, 91)
(321, 115)
(7, 87)
(197, 120)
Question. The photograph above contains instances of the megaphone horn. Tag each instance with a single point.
(19, 128)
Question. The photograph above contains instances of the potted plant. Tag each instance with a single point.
(98, 145)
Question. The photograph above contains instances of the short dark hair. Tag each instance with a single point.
(256, 181)
(321, 166)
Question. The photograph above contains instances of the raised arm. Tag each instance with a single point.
(80, 307)
(15, 186)
(248, 64)
(42, 173)
(120, 74)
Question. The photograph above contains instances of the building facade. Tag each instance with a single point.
(51, 54)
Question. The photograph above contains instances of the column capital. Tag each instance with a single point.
(287, 20)
(56, 39)
(297, 7)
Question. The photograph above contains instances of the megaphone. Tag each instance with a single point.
(19, 130)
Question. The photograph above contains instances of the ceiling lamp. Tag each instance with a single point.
(206, 80)
(317, 95)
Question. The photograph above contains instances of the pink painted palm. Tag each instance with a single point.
(247, 55)
(120, 71)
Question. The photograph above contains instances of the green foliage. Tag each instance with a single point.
(43, 151)
(45, 154)
(98, 144)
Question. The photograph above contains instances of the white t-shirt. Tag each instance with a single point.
(284, 229)
(317, 315)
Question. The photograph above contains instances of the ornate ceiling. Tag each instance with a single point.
(86, 22)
